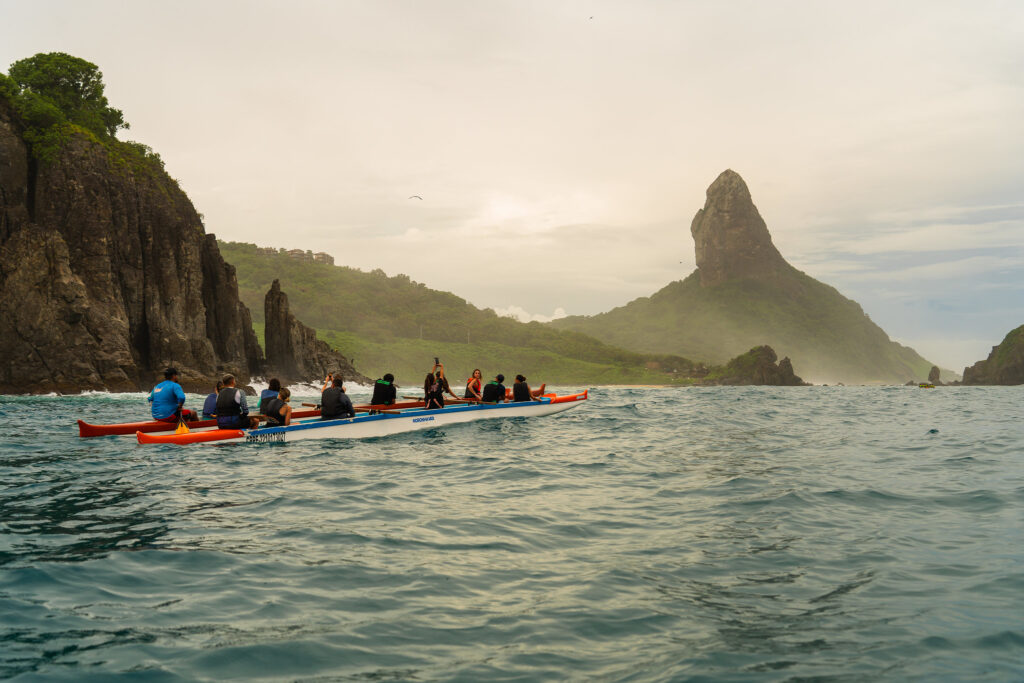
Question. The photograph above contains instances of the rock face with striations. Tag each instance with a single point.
(107, 276)
(1005, 365)
(730, 238)
(294, 354)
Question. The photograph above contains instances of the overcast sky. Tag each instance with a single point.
(561, 149)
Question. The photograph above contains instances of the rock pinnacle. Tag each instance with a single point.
(730, 238)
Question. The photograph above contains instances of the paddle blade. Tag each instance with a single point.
(181, 429)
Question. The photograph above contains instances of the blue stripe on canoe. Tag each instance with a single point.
(454, 408)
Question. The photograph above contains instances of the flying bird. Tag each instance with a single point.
(416, 196)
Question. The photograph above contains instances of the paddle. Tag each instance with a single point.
(181, 428)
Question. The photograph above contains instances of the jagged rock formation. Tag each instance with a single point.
(294, 354)
(1004, 365)
(756, 367)
(107, 276)
(730, 238)
(745, 294)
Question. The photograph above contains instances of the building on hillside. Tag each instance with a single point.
(268, 251)
(321, 257)
(300, 255)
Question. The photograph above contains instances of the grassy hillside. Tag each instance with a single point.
(392, 324)
(828, 337)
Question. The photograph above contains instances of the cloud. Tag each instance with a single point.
(955, 267)
(522, 315)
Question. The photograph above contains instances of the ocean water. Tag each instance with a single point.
(651, 534)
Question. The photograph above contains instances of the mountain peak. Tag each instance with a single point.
(730, 238)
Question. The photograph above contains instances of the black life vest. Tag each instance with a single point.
(330, 403)
(521, 392)
(227, 406)
(493, 392)
(265, 396)
(383, 393)
(273, 410)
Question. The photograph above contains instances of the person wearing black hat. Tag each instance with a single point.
(168, 398)
(494, 391)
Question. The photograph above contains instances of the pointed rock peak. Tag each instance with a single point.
(730, 238)
(729, 183)
(276, 287)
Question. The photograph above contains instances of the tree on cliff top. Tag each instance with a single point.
(53, 84)
(58, 97)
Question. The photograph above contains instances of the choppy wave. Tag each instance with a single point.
(652, 534)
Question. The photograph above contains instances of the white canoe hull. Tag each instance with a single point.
(386, 424)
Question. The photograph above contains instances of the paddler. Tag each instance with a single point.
(334, 403)
(277, 410)
(210, 406)
(521, 391)
(168, 398)
(232, 408)
(384, 392)
(273, 388)
(494, 391)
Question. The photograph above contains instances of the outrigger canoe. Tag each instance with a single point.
(155, 426)
(381, 424)
(88, 430)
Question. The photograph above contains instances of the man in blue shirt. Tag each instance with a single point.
(168, 398)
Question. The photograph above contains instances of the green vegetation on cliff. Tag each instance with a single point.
(827, 336)
(59, 96)
(392, 324)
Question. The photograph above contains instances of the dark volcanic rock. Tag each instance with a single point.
(294, 354)
(107, 277)
(1005, 365)
(756, 367)
(731, 239)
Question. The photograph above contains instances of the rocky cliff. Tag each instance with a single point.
(294, 354)
(730, 238)
(744, 294)
(107, 276)
(756, 367)
(1005, 365)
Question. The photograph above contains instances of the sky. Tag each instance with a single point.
(561, 149)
